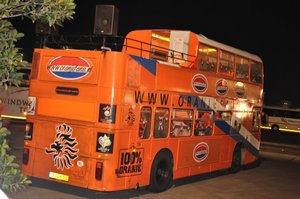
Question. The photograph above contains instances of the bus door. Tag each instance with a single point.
(203, 148)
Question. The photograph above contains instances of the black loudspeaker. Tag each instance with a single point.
(106, 20)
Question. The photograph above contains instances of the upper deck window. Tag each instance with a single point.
(160, 41)
(256, 72)
(207, 58)
(242, 68)
(226, 63)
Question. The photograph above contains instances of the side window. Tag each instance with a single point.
(161, 120)
(256, 119)
(181, 122)
(145, 122)
(204, 122)
(256, 72)
(226, 63)
(223, 115)
(242, 67)
(207, 58)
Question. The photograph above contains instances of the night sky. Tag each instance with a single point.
(268, 29)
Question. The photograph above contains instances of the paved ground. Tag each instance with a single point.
(278, 176)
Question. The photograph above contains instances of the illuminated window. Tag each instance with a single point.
(242, 68)
(181, 123)
(160, 41)
(226, 63)
(207, 58)
(145, 122)
(161, 121)
(256, 72)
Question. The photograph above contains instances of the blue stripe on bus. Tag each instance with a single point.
(229, 130)
(223, 125)
(149, 64)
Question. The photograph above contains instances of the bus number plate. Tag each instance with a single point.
(58, 176)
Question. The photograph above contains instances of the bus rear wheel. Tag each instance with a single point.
(161, 175)
(275, 128)
(236, 163)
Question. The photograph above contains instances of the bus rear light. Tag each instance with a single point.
(99, 169)
(25, 156)
(28, 131)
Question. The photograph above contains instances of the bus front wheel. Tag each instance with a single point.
(161, 175)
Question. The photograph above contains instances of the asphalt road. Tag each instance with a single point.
(277, 176)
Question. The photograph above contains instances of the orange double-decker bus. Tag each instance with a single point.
(170, 104)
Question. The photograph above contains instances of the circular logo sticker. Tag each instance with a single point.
(239, 90)
(80, 163)
(199, 83)
(200, 152)
(69, 68)
(221, 87)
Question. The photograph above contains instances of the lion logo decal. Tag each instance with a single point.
(63, 148)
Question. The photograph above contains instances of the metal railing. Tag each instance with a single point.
(115, 43)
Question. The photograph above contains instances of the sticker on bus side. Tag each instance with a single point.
(240, 90)
(221, 87)
(130, 162)
(31, 106)
(105, 143)
(199, 83)
(69, 68)
(107, 113)
(63, 148)
(201, 152)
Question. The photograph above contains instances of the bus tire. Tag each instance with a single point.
(236, 163)
(161, 175)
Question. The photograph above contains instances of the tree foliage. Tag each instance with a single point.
(47, 11)
(10, 58)
(50, 11)
(53, 12)
(11, 178)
